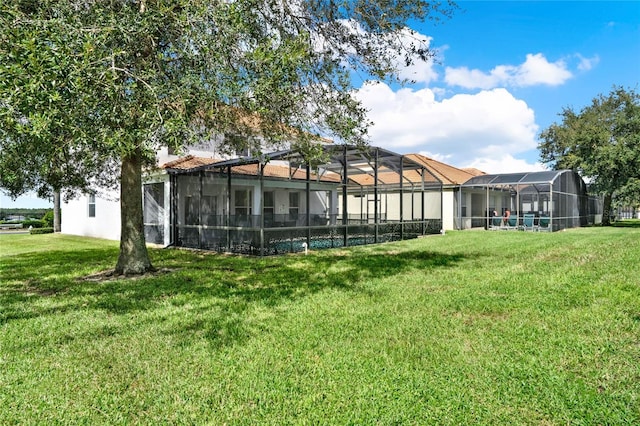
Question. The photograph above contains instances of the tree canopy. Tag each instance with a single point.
(602, 143)
(89, 89)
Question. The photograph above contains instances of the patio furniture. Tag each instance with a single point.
(544, 224)
(528, 222)
(496, 223)
(512, 223)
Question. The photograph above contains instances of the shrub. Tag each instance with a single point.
(48, 218)
(33, 223)
(35, 231)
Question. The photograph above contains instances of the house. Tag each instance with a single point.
(275, 203)
(452, 178)
(99, 215)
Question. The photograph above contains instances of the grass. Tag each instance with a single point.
(467, 328)
(627, 223)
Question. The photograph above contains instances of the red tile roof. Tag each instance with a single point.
(473, 171)
(189, 162)
(449, 175)
(270, 170)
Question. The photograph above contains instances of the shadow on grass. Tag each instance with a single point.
(206, 294)
(627, 223)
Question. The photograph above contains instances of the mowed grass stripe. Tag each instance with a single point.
(471, 327)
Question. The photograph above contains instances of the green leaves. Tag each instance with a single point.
(131, 63)
(602, 141)
(86, 84)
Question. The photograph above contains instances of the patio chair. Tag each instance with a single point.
(512, 223)
(544, 224)
(496, 222)
(528, 222)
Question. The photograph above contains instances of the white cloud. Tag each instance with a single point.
(537, 70)
(587, 63)
(393, 46)
(489, 128)
(505, 164)
(533, 71)
(419, 71)
(444, 158)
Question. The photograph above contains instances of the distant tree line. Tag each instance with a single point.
(27, 213)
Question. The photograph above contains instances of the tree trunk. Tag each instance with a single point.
(134, 258)
(606, 209)
(56, 212)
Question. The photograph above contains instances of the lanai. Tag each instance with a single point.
(558, 196)
(404, 200)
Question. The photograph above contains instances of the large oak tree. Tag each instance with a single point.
(602, 143)
(89, 89)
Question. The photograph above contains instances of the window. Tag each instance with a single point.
(269, 207)
(154, 203)
(191, 211)
(209, 207)
(92, 205)
(294, 205)
(463, 205)
(243, 202)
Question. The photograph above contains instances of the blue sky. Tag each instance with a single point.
(505, 70)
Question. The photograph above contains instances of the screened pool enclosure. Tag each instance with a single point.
(277, 203)
(537, 201)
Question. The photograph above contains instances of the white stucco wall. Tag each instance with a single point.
(190, 185)
(448, 206)
(389, 205)
(105, 224)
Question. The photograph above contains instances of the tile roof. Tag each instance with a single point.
(449, 175)
(389, 177)
(275, 171)
(270, 170)
(473, 171)
(189, 162)
(239, 119)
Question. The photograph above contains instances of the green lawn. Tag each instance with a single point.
(466, 328)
